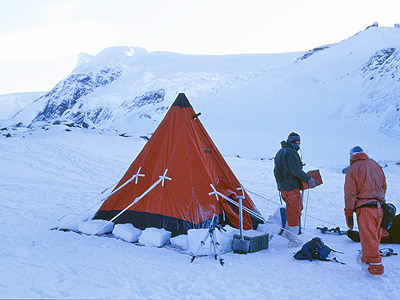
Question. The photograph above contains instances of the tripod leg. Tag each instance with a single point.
(214, 246)
(217, 250)
(202, 243)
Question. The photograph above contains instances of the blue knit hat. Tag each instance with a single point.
(293, 137)
(355, 150)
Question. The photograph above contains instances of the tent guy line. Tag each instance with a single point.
(136, 176)
(160, 180)
(216, 193)
(278, 204)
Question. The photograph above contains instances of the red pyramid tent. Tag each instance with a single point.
(172, 177)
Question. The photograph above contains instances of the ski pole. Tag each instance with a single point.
(305, 215)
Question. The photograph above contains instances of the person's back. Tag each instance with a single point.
(364, 193)
(365, 181)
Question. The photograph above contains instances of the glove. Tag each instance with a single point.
(312, 183)
(349, 218)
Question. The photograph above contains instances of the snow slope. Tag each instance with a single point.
(325, 98)
(47, 175)
(12, 104)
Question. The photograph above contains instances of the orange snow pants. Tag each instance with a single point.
(369, 225)
(294, 206)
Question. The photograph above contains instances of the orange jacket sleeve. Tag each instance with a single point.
(350, 190)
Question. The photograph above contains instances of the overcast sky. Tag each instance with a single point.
(40, 40)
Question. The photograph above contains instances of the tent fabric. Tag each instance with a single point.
(182, 148)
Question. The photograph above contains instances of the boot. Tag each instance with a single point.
(362, 264)
(285, 233)
(375, 269)
(294, 241)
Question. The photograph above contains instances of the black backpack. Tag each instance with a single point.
(315, 249)
(389, 212)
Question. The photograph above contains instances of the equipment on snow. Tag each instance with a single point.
(305, 212)
(213, 238)
(252, 241)
(335, 231)
(282, 212)
(389, 212)
(316, 249)
(393, 230)
(393, 237)
(384, 252)
(240, 245)
(353, 235)
(257, 240)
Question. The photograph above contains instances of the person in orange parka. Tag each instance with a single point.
(364, 192)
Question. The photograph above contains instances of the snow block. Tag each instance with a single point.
(276, 220)
(75, 225)
(225, 238)
(180, 241)
(267, 228)
(127, 232)
(93, 227)
(277, 214)
(154, 237)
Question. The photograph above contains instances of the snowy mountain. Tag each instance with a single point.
(370, 63)
(122, 85)
(353, 86)
(13, 104)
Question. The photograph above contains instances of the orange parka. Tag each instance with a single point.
(365, 182)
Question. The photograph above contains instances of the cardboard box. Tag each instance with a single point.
(314, 174)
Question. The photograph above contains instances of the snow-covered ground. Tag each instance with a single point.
(47, 175)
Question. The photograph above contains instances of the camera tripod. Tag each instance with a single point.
(215, 245)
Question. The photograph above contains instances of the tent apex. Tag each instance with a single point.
(181, 101)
